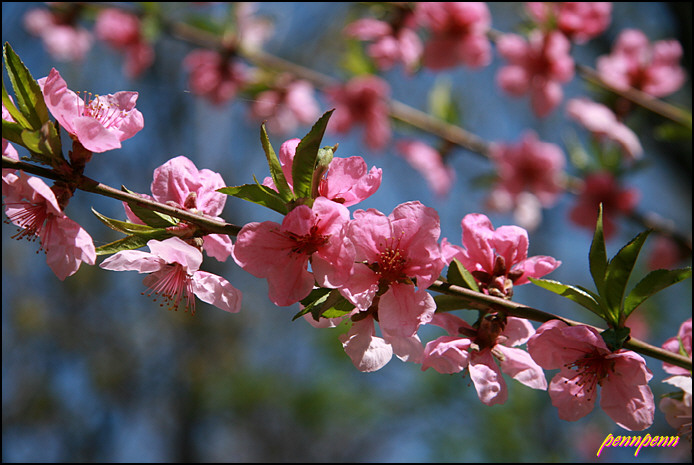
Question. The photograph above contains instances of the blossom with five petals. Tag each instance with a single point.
(498, 259)
(173, 268)
(281, 252)
(579, 21)
(495, 340)
(586, 363)
(122, 31)
(31, 205)
(98, 122)
(178, 182)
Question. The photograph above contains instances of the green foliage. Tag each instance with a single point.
(326, 303)
(460, 276)
(138, 234)
(304, 166)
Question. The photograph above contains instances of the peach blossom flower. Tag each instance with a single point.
(683, 340)
(537, 66)
(586, 363)
(429, 162)
(579, 21)
(214, 76)
(122, 31)
(63, 41)
(100, 122)
(173, 273)
(286, 106)
(389, 45)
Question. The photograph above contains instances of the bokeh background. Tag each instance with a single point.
(94, 371)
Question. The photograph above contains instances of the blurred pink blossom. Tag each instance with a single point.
(683, 341)
(389, 46)
(99, 122)
(602, 187)
(537, 66)
(457, 34)
(362, 101)
(529, 167)
(603, 123)
(498, 259)
(32, 206)
(635, 62)
(586, 363)
(665, 253)
(429, 163)
(579, 21)
(286, 106)
(63, 41)
(677, 407)
(122, 31)
(486, 352)
(214, 75)
(173, 273)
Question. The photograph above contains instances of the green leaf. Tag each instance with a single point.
(12, 132)
(578, 295)
(150, 217)
(316, 297)
(460, 276)
(12, 109)
(257, 193)
(285, 192)
(447, 303)
(615, 337)
(126, 243)
(597, 256)
(441, 102)
(306, 155)
(618, 271)
(141, 230)
(325, 156)
(653, 282)
(326, 303)
(26, 90)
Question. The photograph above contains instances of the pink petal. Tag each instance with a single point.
(94, 136)
(630, 405)
(536, 267)
(67, 246)
(218, 246)
(569, 398)
(216, 291)
(401, 310)
(175, 250)
(517, 331)
(520, 366)
(63, 103)
(487, 377)
(368, 352)
(133, 260)
(447, 354)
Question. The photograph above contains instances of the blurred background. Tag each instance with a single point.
(93, 371)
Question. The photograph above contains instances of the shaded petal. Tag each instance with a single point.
(570, 398)
(216, 291)
(218, 246)
(133, 260)
(630, 405)
(67, 246)
(487, 377)
(447, 354)
(368, 352)
(94, 136)
(401, 310)
(518, 364)
(517, 331)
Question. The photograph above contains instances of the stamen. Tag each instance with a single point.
(173, 283)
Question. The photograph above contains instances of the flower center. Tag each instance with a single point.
(31, 219)
(391, 262)
(590, 369)
(173, 284)
(308, 244)
(500, 281)
(107, 113)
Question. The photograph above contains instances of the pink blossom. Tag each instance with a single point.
(602, 187)
(537, 66)
(178, 182)
(63, 41)
(8, 150)
(429, 162)
(286, 106)
(348, 180)
(392, 253)
(498, 259)
(363, 100)
(173, 269)
(31, 205)
(677, 407)
(281, 252)
(122, 31)
(586, 362)
(458, 34)
(486, 352)
(579, 21)
(527, 167)
(635, 62)
(603, 123)
(214, 76)
(99, 122)
(664, 253)
(675, 344)
(389, 45)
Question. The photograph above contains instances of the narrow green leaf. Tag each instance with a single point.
(12, 109)
(578, 295)
(126, 227)
(325, 156)
(460, 276)
(285, 192)
(26, 90)
(126, 243)
(257, 193)
(618, 271)
(653, 282)
(306, 155)
(316, 297)
(448, 303)
(150, 217)
(12, 132)
(597, 257)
